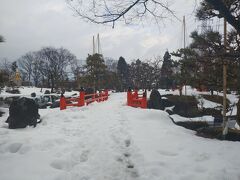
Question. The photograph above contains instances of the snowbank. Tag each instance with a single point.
(111, 141)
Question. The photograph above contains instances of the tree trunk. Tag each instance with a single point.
(52, 85)
(29, 79)
(211, 92)
(36, 82)
(238, 112)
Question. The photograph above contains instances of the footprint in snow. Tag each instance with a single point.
(167, 153)
(127, 142)
(61, 164)
(202, 157)
(84, 156)
(80, 157)
(133, 172)
(14, 147)
(77, 117)
(68, 120)
(43, 123)
(123, 158)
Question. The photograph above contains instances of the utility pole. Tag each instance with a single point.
(94, 46)
(225, 120)
(184, 32)
(184, 44)
(98, 43)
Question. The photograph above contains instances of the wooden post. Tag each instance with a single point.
(184, 46)
(94, 46)
(225, 120)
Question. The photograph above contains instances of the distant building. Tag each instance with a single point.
(16, 78)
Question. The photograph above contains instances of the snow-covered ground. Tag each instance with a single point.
(26, 92)
(111, 141)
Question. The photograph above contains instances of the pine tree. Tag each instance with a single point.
(201, 62)
(167, 71)
(123, 73)
(14, 66)
(96, 71)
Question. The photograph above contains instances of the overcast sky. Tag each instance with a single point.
(29, 25)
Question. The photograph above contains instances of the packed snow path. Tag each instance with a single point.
(110, 141)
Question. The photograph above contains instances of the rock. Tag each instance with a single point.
(192, 125)
(1, 113)
(155, 100)
(23, 112)
(55, 104)
(33, 94)
(47, 92)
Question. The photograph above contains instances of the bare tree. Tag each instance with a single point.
(26, 64)
(78, 70)
(110, 11)
(5, 72)
(54, 63)
(37, 73)
(5, 65)
(156, 71)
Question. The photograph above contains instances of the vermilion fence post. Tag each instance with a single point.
(106, 94)
(129, 96)
(81, 98)
(100, 96)
(63, 103)
(97, 96)
(93, 97)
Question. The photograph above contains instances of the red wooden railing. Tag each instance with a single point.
(83, 99)
(136, 99)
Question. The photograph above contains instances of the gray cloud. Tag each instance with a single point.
(29, 25)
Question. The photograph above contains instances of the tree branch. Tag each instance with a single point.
(225, 12)
(111, 11)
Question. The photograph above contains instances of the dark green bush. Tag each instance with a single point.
(216, 133)
(211, 112)
(184, 105)
(13, 91)
(215, 98)
(193, 125)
